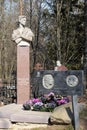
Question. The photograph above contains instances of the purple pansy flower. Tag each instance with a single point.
(29, 102)
(62, 101)
(45, 102)
(51, 94)
(35, 100)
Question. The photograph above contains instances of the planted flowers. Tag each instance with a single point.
(45, 103)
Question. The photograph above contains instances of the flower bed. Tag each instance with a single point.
(45, 103)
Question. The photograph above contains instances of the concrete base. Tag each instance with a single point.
(31, 117)
(5, 123)
(7, 110)
(15, 113)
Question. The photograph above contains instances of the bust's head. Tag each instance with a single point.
(58, 63)
(22, 20)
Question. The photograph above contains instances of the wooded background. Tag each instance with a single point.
(59, 34)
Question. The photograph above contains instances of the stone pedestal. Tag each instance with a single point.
(23, 73)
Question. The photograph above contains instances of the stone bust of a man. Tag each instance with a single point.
(22, 35)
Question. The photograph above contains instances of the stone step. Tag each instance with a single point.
(15, 113)
(5, 123)
(7, 110)
(31, 117)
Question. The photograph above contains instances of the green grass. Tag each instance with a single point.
(69, 127)
(56, 127)
(83, 113)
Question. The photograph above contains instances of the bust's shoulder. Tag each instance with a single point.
(28, 30)
(15, 34)
(16, 31)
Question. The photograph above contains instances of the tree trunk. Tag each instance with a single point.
(21, 7)
(38, 29)
(85, 55)
(30, 13)
(58, 45)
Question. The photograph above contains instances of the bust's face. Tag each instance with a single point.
(22, 20)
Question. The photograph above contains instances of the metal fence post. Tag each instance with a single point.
(75, 112)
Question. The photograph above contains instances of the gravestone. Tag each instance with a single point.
(65, 83)
(70, 82)
(22, 37)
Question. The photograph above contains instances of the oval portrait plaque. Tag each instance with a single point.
(72, 80)
(48, 81)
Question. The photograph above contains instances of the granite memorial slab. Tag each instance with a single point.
(65, 83)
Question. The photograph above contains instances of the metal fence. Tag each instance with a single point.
(8, 94)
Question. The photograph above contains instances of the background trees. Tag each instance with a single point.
(58, 26)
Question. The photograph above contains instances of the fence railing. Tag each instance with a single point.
(8, 94)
